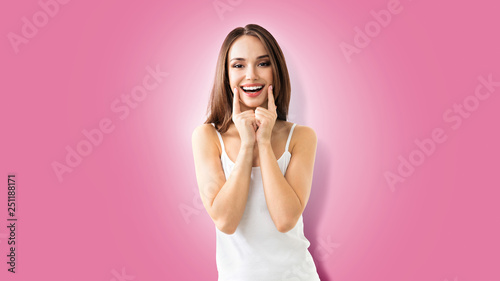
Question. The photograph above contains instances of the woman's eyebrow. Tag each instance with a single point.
(259, 57)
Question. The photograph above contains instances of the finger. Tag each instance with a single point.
(261, 109)
(270, 99)
(259, 118)
(247, 115)
(258, 121)
(263, 112)
(236, 101)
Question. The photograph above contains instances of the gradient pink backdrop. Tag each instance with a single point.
(119, 211)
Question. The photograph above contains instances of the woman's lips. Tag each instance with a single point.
(254, 94)
(250, 89)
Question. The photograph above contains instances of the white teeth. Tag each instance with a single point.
(252, 88)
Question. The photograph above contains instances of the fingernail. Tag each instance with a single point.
(271, 87)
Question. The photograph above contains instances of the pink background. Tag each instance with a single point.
(117, 215)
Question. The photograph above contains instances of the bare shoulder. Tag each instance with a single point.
(303, 136)
(204, 133)
(203, 130)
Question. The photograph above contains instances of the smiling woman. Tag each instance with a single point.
(256, 201)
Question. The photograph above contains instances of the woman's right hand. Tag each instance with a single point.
(245, 122)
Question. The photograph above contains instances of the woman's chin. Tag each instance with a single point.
(253, 104)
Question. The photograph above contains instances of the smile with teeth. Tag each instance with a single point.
(252, 89)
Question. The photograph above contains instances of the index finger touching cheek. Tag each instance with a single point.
(270, 98)
(236, 101)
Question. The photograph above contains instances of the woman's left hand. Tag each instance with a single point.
(266, 118)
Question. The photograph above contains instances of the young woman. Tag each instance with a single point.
(254, 169)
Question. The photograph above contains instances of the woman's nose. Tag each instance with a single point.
(251, 73)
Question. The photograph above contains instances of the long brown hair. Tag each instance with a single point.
(220, 107)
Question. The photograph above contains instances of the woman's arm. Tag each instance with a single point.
(224, 201)
(287, 196)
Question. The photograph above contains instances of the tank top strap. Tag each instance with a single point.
(220, 138)
(289, 137)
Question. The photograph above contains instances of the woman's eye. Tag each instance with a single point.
(260, 64)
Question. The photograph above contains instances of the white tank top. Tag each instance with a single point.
(257, 251)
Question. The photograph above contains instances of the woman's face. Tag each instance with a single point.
(249, 69)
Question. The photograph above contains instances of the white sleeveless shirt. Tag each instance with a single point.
(257, 251)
